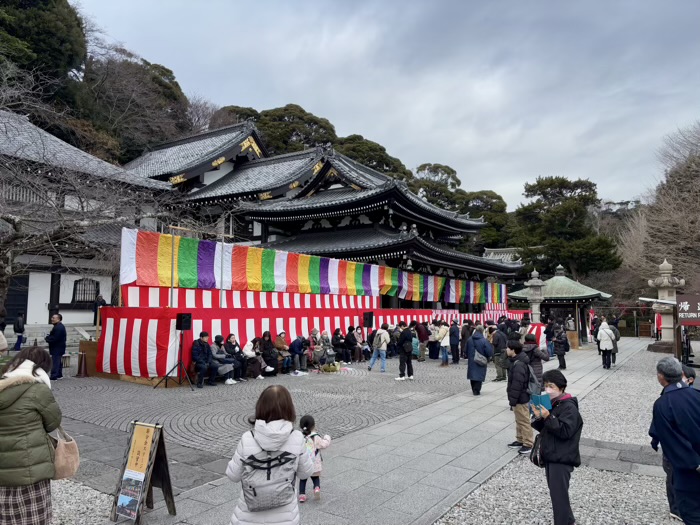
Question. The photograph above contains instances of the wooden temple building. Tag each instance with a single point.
(316, 202)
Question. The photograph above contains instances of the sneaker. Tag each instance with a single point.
(675, 516)
(524, 450)
(400, 378)
(382, 371)
(410, 377)
(243, 379)
(369, 368)
(260, 377)
(317, 493)
(200, 385)
(269, 369)
(295, 373)
(515, 444)
(302, 498)
(230, 382)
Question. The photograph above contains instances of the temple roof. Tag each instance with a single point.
(182, 155)
(259, 175)
(562, 288)
(21, 139)
(377, 242)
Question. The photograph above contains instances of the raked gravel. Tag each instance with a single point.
(620, 408)
(77, 504)
(519, 494)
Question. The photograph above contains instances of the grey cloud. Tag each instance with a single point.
(502, 91)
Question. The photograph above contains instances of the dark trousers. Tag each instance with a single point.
(688, 507)
(614, 355)
(607, 358)
(209, 369)
(405, 361)
(241, 370)
(558, 477)
(455, 353)
(670, 493)
(253, 365)
(18, 343)
(57, 366)
(562, 361)
(316, 480)
(476, 387)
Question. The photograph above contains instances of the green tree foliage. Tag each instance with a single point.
(491, 206)
(46, 35)
(554, 228)
(292, 128)
(372, 155)
(438, 184)
(229, 115)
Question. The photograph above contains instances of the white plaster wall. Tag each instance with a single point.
(77, 317)
(67, 281)
(38, 298)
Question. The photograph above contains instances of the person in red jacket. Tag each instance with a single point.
(423, 336)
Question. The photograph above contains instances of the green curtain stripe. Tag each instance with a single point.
(359, 289)
(187, 263)
(315, 274)
(268, 270)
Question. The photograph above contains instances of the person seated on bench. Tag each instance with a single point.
(204, 360)
(285, 356)
(226, 363)
(269, 354)
(233, 350)
(298, 351)
(255, 363)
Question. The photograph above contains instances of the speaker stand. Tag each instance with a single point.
(179, 366)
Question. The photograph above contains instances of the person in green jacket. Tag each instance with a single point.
(28, 412)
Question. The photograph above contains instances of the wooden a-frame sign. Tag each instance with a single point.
(145, 466)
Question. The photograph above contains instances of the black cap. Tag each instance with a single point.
(203, 334)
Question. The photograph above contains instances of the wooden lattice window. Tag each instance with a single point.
(85, 290)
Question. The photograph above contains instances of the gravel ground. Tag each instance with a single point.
(519, 494)
(76, 504)
(620, 408)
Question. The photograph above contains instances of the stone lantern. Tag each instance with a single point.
(536, 296)
(666, 285)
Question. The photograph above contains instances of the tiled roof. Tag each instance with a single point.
(328, 197)
(259, 175)
(21, 139)
(342, 242)
(180, 155)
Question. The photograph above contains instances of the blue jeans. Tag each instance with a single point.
(444, 353)
(550, 348)
(287, 362)
(376, 354)
(18, 343)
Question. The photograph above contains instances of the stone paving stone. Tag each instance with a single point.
(218, 466)
(416, 500)
(111, 456)
(455, 447)
(398, 479)
(385, 463)
(317, 517)
(106, 483)
(413, 449)
(386, 516)
(346, 505)
(349, 480)
(217, 495)
(186, 510)
(607, 464)
(448, 477)
(220, 514)
(371, 451)
(644, 457)
(648, 470)
(494, 467)
(429, 462)
(185, 476)
(339, 465)
(438, 437)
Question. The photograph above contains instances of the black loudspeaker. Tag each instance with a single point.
(368, 319)
(183, 322)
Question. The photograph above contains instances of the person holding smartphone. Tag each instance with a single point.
(560, 434)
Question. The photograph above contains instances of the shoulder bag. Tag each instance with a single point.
(66, 455)
(536, 452)
(479, 358)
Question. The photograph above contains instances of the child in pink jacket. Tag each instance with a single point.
(314, 444)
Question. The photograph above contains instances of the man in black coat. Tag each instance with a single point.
(454, 341)
(57, 346)
(518, 397)
(204, 360)
(676, 426)
(405, 348)
(423, 337)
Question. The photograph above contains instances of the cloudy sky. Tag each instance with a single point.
(503, 91)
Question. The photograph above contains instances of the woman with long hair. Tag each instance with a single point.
(28, 412)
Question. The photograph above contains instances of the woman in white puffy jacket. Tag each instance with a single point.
(273, 431)
(606, 339)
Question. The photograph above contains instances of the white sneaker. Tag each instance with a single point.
(269, 369)
(260, 377)
(400, 378)
(295, 373)
(230, 382)
(410, 377)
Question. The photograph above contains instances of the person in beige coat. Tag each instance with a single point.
(273, 431)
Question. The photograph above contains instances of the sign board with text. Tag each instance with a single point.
(145, 466)
(688, 309)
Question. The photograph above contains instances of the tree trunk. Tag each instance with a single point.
(5, 275)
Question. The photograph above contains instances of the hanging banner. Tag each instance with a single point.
(157, 260)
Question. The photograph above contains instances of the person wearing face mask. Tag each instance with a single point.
(676, 427)
(560, 434)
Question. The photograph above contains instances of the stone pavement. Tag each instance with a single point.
(412, 468)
